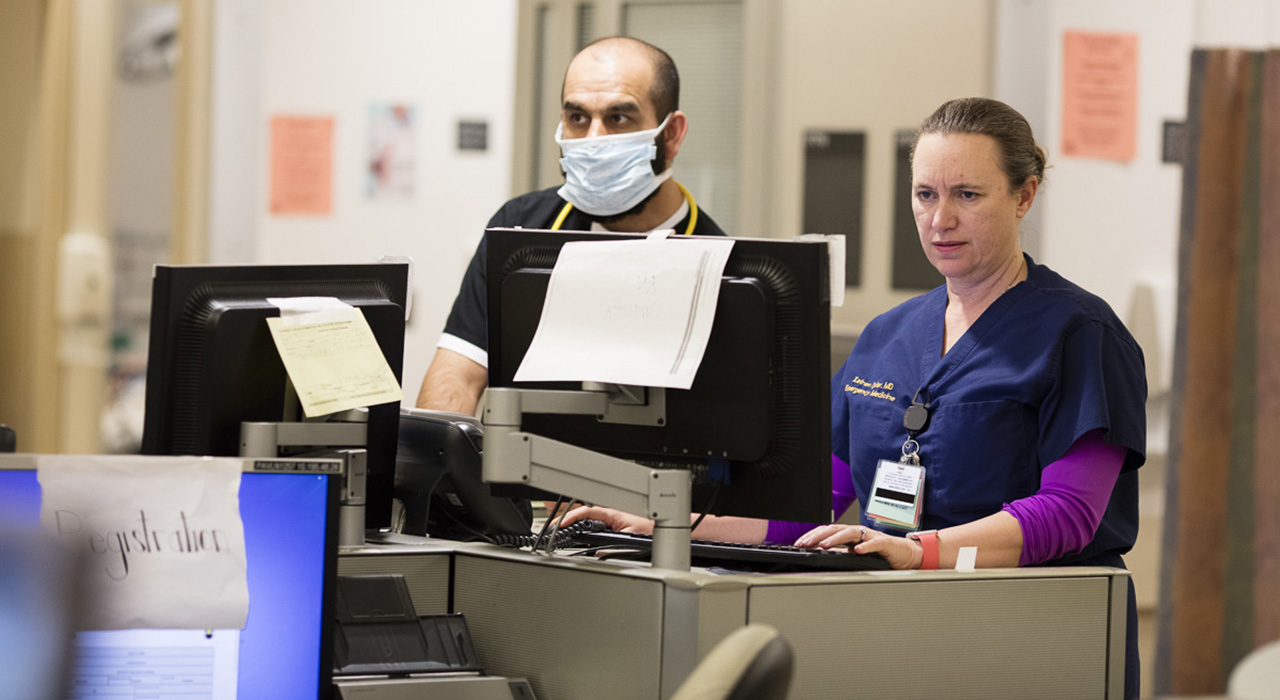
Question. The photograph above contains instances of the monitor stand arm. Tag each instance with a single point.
(514, 456)
(341, 440)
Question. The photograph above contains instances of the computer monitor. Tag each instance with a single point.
(212, 363)
(754, 428)
(290, 524)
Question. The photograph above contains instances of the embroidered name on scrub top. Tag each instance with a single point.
(876, 390)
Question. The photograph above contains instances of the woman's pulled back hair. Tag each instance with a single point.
(1020, 157)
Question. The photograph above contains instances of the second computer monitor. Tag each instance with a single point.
(212, 363)
(755, 427)
(285, 650)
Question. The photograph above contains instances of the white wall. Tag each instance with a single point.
(1113, 227)
(875, 67)
(1110, 227)
(1251, 24)
(451, 60)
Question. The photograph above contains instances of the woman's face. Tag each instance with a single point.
(966, 216)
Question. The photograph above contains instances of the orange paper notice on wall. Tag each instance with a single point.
(1100, 95)
(301, 165)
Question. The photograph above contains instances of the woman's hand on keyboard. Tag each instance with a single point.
(901, 552)
(617, 520)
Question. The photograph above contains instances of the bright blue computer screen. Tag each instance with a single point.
(286, 529)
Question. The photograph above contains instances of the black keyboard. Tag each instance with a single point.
(766, 558)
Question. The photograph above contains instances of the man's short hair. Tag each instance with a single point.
(664, 92)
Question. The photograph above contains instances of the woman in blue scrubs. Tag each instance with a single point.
(1004, 410)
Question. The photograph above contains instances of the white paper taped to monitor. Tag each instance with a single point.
(628, 312)
(162, 537)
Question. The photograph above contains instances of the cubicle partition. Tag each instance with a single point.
(580, 630)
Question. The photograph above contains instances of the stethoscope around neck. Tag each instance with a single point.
(688, 231)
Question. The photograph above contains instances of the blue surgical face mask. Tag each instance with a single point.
(608, 175)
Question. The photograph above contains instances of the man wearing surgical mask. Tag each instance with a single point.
(620, 130)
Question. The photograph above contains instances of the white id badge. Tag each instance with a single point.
(897, 495)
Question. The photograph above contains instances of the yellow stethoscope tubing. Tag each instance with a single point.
(688, 231)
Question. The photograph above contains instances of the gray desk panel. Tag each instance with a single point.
(572, 633)
(1043, 638)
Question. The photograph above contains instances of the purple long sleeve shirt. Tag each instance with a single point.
(1063, 516)
(1060, 518)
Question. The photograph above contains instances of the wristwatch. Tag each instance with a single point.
(928, 539)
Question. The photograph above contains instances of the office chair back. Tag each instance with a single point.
(752, 663)
(1257, 676)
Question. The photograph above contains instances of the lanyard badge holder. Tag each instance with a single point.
(897, 494)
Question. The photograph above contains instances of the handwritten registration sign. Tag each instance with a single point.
(161, 537)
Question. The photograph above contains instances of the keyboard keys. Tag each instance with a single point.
(736, 555)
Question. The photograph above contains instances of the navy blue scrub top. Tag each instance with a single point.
(1046, 363)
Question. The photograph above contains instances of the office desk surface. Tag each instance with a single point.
(582, 629)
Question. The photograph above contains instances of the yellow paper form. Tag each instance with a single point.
(334, 361)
